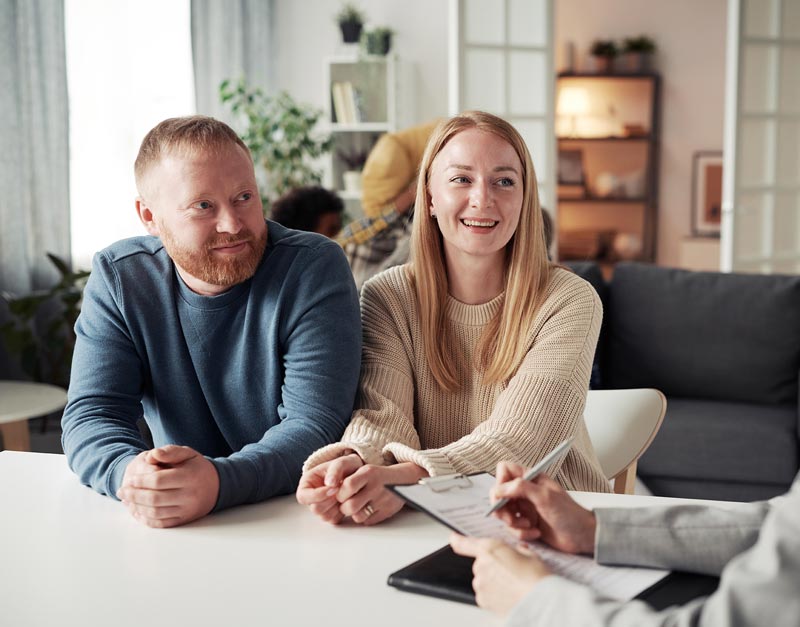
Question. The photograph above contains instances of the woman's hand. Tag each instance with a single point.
(502, 575)
(364, 497)
(319, 486)
(542, 510)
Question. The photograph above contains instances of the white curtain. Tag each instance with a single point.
(34, 160)
(230, 39)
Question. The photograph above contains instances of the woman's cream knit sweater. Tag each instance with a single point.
(403, 415)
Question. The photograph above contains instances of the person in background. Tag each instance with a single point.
(755, 548)
(479, 350)
(236, 339)
(381, 238)
(313, 209)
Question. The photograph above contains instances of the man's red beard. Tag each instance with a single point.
(218, 269)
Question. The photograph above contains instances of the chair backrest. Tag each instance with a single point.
(622, 424)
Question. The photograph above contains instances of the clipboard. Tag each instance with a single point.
(458, 501)
(445, 575)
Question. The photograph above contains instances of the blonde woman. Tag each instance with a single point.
(477, 351)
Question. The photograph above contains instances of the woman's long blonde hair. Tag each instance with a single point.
(503, 343)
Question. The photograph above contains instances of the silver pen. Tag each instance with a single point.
(544, 464)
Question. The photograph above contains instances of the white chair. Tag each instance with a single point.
(622, 424)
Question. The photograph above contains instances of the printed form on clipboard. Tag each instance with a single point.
(460, 502)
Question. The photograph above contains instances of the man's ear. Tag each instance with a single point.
(146, 216)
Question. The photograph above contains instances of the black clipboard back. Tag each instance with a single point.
(445, 575)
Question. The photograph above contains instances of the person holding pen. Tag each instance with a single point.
(754, 548)
(479, 350)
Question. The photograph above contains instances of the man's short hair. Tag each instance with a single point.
(301, 208)
(187, 134)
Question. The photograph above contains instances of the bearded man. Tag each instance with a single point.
(237, 340)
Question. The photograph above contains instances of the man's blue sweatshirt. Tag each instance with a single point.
(256, 378)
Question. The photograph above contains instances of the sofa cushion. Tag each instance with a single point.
(590, 271)
(719, 441)
(716, 490)
(731, 337)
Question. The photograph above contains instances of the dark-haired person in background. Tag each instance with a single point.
(314, 209)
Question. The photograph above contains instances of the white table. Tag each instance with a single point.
(69, 556)
(20, 400)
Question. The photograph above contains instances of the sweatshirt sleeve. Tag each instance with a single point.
(542, 404)
(321, 357)
(387, 414)
(99, 432)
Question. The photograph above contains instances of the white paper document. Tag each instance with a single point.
(461, 502)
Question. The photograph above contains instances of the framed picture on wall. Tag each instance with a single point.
(570, 167)
(706, 193)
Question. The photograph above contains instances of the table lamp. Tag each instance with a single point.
(572, 102)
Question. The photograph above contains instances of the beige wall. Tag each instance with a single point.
(690, 35)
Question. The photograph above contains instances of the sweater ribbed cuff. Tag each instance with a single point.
(435, 462)
(368, 453)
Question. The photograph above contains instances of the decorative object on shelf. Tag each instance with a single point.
(570, 167)
(632, 184)
(637, 55)
(354, 160)
(573, 102)
(378, 40)
(602, 54)
(608, 185)
(633, 130)
(706, 193)
(351, 21)
(281, 135)
(627, 246)
(569, 57)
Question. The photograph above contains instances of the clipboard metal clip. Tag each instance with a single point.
(446, 482)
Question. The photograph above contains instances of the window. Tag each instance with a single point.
(129, 66)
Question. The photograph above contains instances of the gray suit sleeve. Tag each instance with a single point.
(693, 538)
(758, 587)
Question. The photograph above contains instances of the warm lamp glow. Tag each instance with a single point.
(572, 102)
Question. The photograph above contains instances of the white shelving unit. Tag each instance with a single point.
(372, 84)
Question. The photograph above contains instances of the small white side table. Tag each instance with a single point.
(20, 400)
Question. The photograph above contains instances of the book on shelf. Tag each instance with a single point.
(358, 98)
(350, 102)
(339, 106)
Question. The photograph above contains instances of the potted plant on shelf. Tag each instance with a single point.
(602, 56)
(351, 20)
(354, 160)
(378, 40)
(281, 135)
(637, 53)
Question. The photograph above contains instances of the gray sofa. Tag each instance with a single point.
(725, 349)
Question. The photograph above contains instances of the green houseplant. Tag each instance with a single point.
(602, 54)
(282, 137)
(351, 20)
(637, 53)
(39, 328)
(378, 40)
